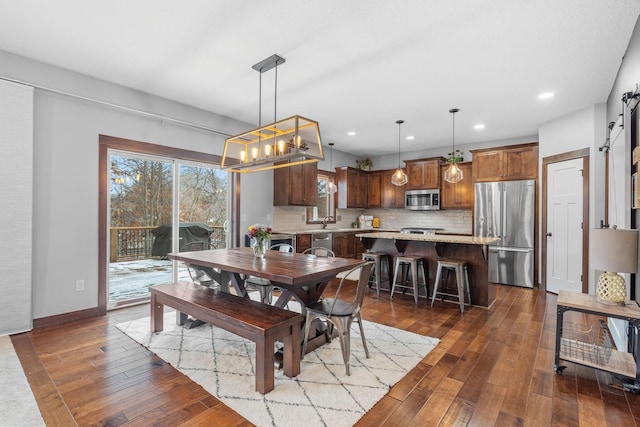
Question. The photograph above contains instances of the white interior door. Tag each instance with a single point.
(564, 226)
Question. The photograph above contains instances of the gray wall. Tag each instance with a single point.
(65, 178)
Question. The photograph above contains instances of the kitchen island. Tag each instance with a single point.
(473, 250)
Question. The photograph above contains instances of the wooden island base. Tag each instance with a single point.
(473, 250)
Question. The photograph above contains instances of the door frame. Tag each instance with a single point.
(107, 143)
(546, 161)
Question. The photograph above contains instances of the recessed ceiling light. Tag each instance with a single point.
(411, 138)
(545, 95)
(479, 126)
(351, 133)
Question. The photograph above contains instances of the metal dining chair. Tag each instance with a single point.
(196, 272)
(341, 314)
(200, 277)
(264, 286)
(321, 252)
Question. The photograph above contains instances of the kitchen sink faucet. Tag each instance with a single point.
(324, 221)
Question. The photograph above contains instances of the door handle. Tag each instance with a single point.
(549, 234)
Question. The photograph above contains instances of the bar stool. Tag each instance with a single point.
(410, 263)
(376, 273)
(459, 268)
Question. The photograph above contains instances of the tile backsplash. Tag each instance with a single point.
(292, 218)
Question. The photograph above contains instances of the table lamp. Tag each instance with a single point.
(613, 251)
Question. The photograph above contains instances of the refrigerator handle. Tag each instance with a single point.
(504, 213)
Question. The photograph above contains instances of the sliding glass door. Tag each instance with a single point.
(157, 206)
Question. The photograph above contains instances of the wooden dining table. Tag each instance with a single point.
(300, 277)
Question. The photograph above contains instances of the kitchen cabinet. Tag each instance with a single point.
(423, 174)
(392, 195)
(352, 187)
(303, 242)
(460, 194)
(296, 185)
(347, 245)
(374, 190)
(344, 244)
(506, 163)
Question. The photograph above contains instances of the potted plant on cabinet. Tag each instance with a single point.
(365, 163)
(455, 157)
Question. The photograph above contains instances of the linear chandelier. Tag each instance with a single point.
(288, 142)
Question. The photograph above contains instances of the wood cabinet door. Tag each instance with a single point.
(374, 192)
(506, 163)
(392, 195)
(488, 165)
(415, 175)
(352, 188)
(431, 174)
(460, 194)
(343, 245)
(423, 174)
(296, 185)
(303, 242)
(310, 183)
(358, 189)
(521, 163)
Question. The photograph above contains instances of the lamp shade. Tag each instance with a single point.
(614, 250)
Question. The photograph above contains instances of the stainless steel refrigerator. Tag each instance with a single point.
(507, 210)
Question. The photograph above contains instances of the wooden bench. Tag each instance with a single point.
(260, 323)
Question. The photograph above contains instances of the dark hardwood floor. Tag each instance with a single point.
(492, 367)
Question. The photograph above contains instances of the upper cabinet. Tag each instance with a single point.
(506, 163)
(423, 174)
(352, 187)
(392, 195)
(460, 194)
(296, 185)
(374, 190)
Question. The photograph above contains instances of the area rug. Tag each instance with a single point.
(18, 407)
(322, 395)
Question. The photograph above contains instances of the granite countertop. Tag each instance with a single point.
(436, 238)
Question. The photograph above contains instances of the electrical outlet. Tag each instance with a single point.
(79, 285)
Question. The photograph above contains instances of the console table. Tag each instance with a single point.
(593, 348)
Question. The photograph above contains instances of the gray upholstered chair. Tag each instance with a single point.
(341, 314)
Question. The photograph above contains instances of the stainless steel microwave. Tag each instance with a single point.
(422, 200)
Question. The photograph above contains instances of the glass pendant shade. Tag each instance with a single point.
(331, 188)
(399, 178)
(453, 174)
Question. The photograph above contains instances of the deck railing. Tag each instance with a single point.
(130, 243)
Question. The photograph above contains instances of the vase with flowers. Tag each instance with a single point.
(260, 235)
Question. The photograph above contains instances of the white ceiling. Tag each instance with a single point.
(351, 65)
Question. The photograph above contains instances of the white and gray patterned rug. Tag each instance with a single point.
(322, 395)
(18, 406)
